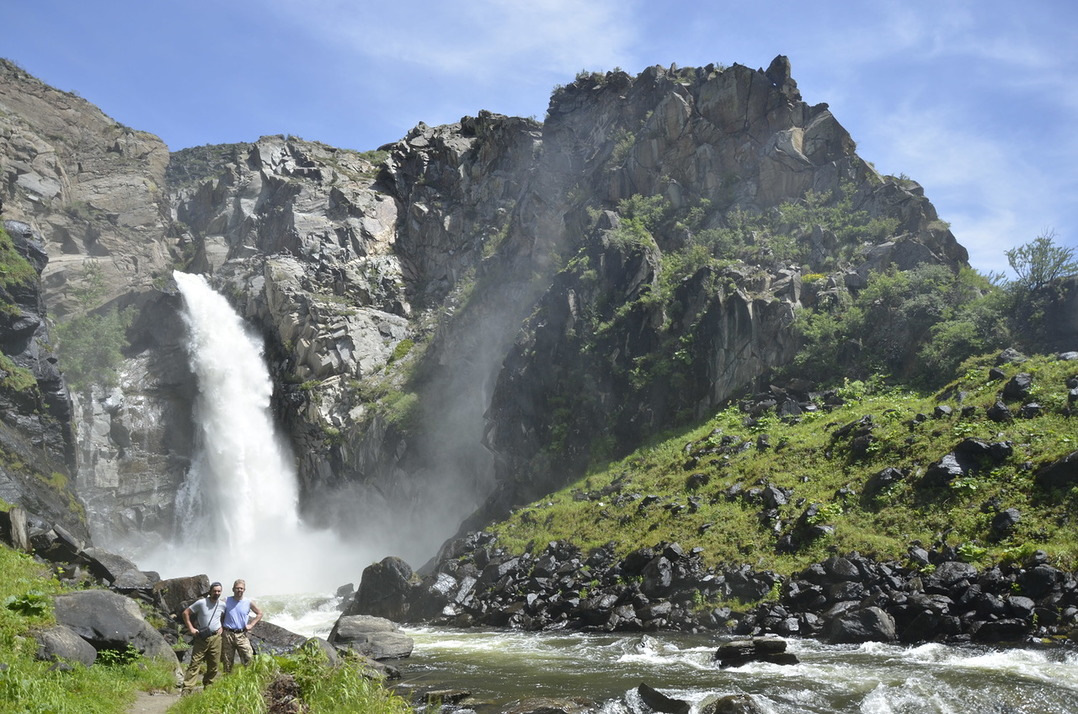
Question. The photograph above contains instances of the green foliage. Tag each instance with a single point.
(15, 270)
(1040, 262)
(31, 686)
(401, 351)
(32, 603)
(918, 324)
(817, 467)
(343, 689)
(91, 347)
(14, 378)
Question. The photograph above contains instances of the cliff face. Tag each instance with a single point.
(478, 308)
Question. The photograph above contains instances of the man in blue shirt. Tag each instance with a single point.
(237, 622)
(208, 613)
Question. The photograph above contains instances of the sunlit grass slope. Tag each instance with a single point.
(704, 480)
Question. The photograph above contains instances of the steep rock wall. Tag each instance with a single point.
(391, 286)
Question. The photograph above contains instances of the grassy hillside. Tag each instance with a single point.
(28, 685)
(707, 486)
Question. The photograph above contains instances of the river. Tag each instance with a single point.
(499, 667)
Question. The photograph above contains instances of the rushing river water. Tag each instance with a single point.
(499, 667)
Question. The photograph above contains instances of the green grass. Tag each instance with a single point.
(28, 686)
(343, 689)
(15, 270)
(818, 468)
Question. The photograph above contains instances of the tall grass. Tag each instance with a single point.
(343, 689)
(29, 686)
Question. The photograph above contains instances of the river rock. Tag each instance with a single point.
(659, 702)
(383, 590)
(374, 637)
(732, 704)
(758, 649)
(552, 705)
(870, 624)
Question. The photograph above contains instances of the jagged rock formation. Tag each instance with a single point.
(36, 437)
(391, 286)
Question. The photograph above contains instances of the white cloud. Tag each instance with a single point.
(481, 39)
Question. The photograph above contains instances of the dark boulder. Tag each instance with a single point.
(870, 624)
(1059, 475)
(384, 590)
(732, 704)
(758, 649)
(273, 639)
(177, 593)
(110, 621)
(61, 643)
(1004, 523)
(1018, 388)
(659, 702)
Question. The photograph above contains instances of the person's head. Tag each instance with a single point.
(215, 590)
(238, 588)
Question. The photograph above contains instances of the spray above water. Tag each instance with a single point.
(237, 510)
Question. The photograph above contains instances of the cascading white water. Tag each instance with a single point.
(237, 509)
(242, 484)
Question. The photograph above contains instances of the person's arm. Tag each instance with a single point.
(187, 621)
(258, 616)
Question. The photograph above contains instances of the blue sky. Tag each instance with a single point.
(975, 99)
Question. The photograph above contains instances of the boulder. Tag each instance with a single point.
(107, 566)
(177, 593)
(374, 637)
(758, 649)
(657, 701)
(61, 643)
(13, 530)
(870, 624)
(384, 590)
(1059, 475)
(732, 704)
(110, 621)
(551, 705)
(273, 639)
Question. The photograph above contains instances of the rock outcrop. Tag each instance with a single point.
(391, 286)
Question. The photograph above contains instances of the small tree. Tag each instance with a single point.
(1041, 261)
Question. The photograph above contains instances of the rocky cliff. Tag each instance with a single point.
(471, 313)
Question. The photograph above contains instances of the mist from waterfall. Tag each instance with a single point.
(238, 508)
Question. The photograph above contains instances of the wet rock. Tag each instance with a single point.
(374, 637)
(758, 649)
(383, 590)
(870, 624)
(657, 701)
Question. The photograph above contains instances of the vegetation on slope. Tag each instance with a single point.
(703, 487)
(30, 686)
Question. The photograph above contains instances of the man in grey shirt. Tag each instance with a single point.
(207, 612)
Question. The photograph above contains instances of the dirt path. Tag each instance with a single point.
(153, 703)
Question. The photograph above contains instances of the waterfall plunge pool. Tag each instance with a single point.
(502, 666)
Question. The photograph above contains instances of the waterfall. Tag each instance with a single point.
(237, 511)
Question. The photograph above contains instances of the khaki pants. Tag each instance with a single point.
(236, 643)
(207, 650)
